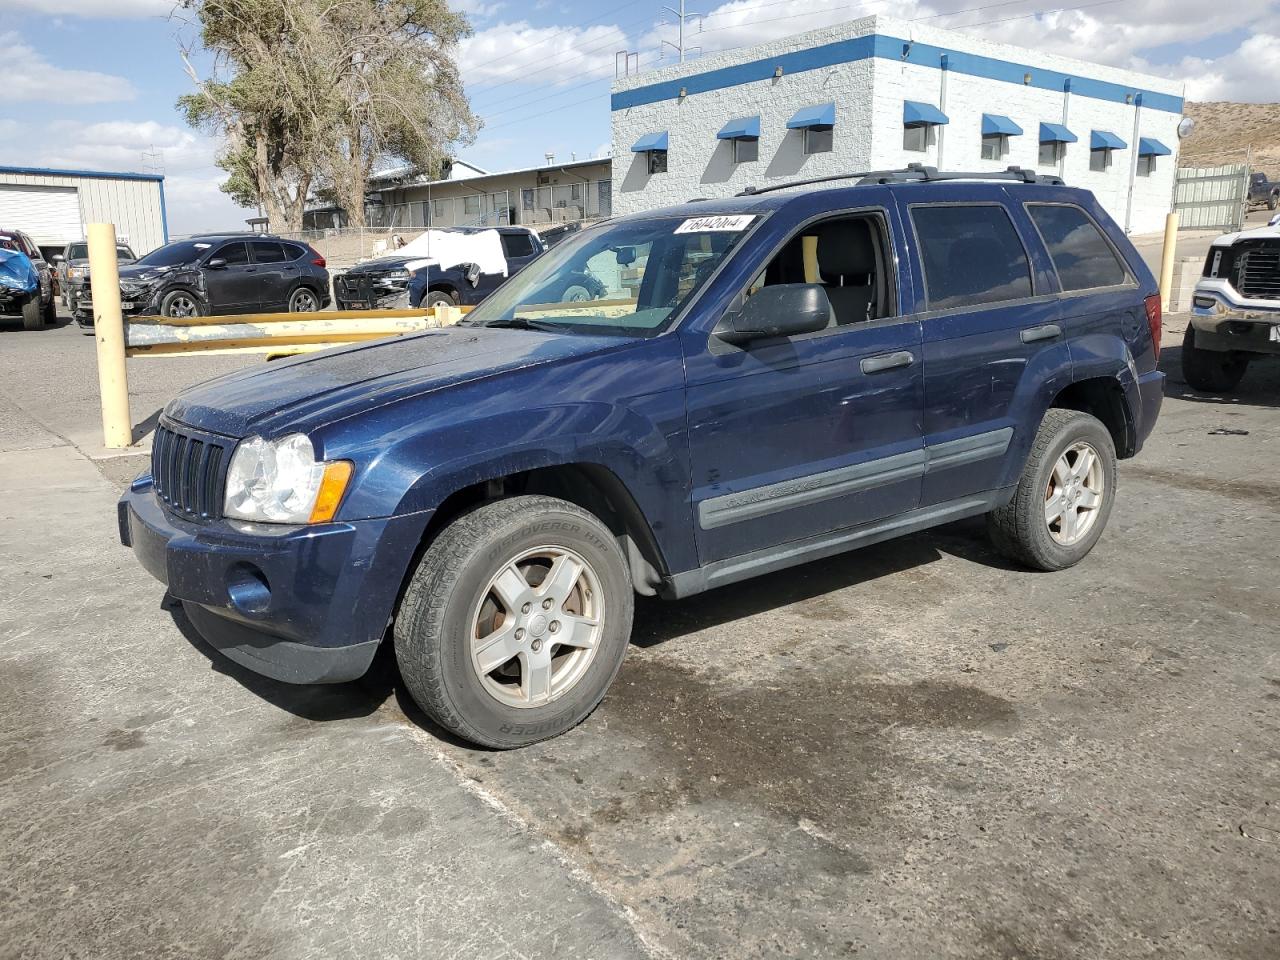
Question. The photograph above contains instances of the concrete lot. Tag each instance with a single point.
(911, 751)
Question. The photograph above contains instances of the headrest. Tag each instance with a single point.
(845, 249)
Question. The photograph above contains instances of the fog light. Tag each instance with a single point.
(1204, 303)
(248, 589)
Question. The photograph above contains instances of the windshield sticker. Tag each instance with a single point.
(733, 224)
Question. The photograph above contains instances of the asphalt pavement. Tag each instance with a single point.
(915, 750)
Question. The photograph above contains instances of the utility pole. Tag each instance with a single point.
(681, 16)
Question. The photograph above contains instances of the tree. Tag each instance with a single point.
(311, 94)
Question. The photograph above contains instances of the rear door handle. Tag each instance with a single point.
(1050, 331)
(887, 361)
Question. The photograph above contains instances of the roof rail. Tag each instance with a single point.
(914, 173)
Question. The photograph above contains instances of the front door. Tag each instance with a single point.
(232, 287)
(794, 438)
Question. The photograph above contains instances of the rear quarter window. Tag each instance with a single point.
(1079, 251)
(971, 255)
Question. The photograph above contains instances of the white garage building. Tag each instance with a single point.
(879, 93)
(53, 206)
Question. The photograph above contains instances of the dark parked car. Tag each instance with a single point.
(71, 269)
(1263, 191)
(459, 266)
(213, 275)
(36, 307)
(493, 495)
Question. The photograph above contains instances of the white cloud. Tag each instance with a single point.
(1249, 74)
(114, 9)
(29, 76)
(519, 55)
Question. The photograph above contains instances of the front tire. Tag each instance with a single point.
(1064, 497)
(1211, 371)
(180, 303)
(32, 314)
(516, 621)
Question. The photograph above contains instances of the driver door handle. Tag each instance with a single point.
(1049, 331)
(887, 361)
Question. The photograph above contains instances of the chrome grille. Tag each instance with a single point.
(188, 473)
(1259, 276)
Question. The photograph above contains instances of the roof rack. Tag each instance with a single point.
(915, 173)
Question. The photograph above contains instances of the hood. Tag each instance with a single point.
(1259, 233)
(16, 270)
(384, 264)
(320, 388)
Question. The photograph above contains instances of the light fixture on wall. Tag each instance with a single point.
(683, 93)
(1128, 98)
(777, 72)
(1026, 79)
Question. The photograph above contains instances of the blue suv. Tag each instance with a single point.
(765, 381)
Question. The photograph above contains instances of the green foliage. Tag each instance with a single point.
(311, 94)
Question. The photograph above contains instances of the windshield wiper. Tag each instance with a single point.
(524, 323)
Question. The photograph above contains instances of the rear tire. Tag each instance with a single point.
(1064, 497)
(304, 300)
(516, 621)
(1211, 371)
(32, 314)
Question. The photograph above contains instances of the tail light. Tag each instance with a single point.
(318, 261)
(1152, 304)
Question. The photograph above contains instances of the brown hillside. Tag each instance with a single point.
(1224, 131)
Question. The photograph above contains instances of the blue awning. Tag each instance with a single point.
(993, 123)
(1056, 133)
(821, 116)
(744, 128)
(1106, 140)
(1150, 147)
(650, 142)
(916, 114)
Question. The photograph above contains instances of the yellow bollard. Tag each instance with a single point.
(108, 328)
(809, 253)
(1166, 260)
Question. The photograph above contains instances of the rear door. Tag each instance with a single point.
(992, 344)
(232, 288)
(277, 276)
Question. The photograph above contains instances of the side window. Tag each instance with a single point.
(293, 252)
(517, 245)
(971, 255)
(846, 256)
(1080, 254)
(236, 254)
(265, 251)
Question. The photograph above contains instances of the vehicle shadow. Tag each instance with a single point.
(1259, 388)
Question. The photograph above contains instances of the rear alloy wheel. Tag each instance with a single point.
(575, 293)
(179, 303)
(516, 621)
(304, 300)
(1064, 496)
(1211, 371)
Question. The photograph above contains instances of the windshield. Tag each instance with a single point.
(78, 251)
(626, 278)
(173, 254)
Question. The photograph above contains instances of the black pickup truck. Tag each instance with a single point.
(1263, 191)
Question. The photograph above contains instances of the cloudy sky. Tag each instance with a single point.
(92, 83)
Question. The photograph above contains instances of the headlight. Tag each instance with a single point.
(76, 272)
(280, 481)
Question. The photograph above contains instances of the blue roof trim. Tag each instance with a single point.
(1151, 147)
(917, 114)
(899, 51)
(993, 123)
(743, 128)
(1056, 133)
(820, 116)
(650, 142)
(1106, 140)
(86, 174)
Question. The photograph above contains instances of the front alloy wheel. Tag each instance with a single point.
(179, 304)
(516, 621)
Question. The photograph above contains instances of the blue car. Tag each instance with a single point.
(765, 381)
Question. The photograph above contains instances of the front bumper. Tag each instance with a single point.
(371, 292)
(303, 604)
(1225, 321)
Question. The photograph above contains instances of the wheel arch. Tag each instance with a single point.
(1105, 399)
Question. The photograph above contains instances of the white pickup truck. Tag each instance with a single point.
(1235, 310)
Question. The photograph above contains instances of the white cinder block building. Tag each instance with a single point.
(53, 206)
(879, 93)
